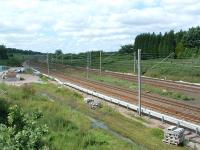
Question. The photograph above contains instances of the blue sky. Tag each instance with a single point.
(82, 25)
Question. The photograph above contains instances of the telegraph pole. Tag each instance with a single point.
(100, 62)
(48, 63)
(71, 62)
(90, 60)
(139, 81)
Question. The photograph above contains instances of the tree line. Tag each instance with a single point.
(6, 52)
(3, 52)
(182, 44)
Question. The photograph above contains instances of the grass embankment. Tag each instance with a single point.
(68, 129)
(174, 69)
(132, 85)
(68, 120)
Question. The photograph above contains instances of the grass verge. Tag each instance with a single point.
(68, 120)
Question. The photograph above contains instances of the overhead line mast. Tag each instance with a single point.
(139, 82)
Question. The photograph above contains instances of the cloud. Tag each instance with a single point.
(81, 25)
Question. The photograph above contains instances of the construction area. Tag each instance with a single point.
(18, 76)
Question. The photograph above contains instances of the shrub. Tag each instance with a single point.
(22, 131)
(3, 110)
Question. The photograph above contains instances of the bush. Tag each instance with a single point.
(3, 110)
(22, 131)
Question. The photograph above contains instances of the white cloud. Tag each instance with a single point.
(76, 25)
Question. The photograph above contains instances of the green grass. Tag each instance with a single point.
(167, 93)
(182, 69)
(69, 129)
(68, 120)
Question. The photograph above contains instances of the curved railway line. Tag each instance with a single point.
(171, 107)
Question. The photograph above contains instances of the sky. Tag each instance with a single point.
(82, 25)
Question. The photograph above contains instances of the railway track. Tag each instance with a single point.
(171, 85)
(163, 105)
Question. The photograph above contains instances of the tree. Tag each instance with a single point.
(179, 48)
(179, 36)
(3, 52)
(163, 45)
(192, 38)
(58, 55)
(171, 42)
(126, 48)
(58, 52)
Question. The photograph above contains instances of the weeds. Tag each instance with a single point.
(28, 91)
(157, 133)
(69, 126)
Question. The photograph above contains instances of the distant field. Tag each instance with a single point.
(174, 69)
